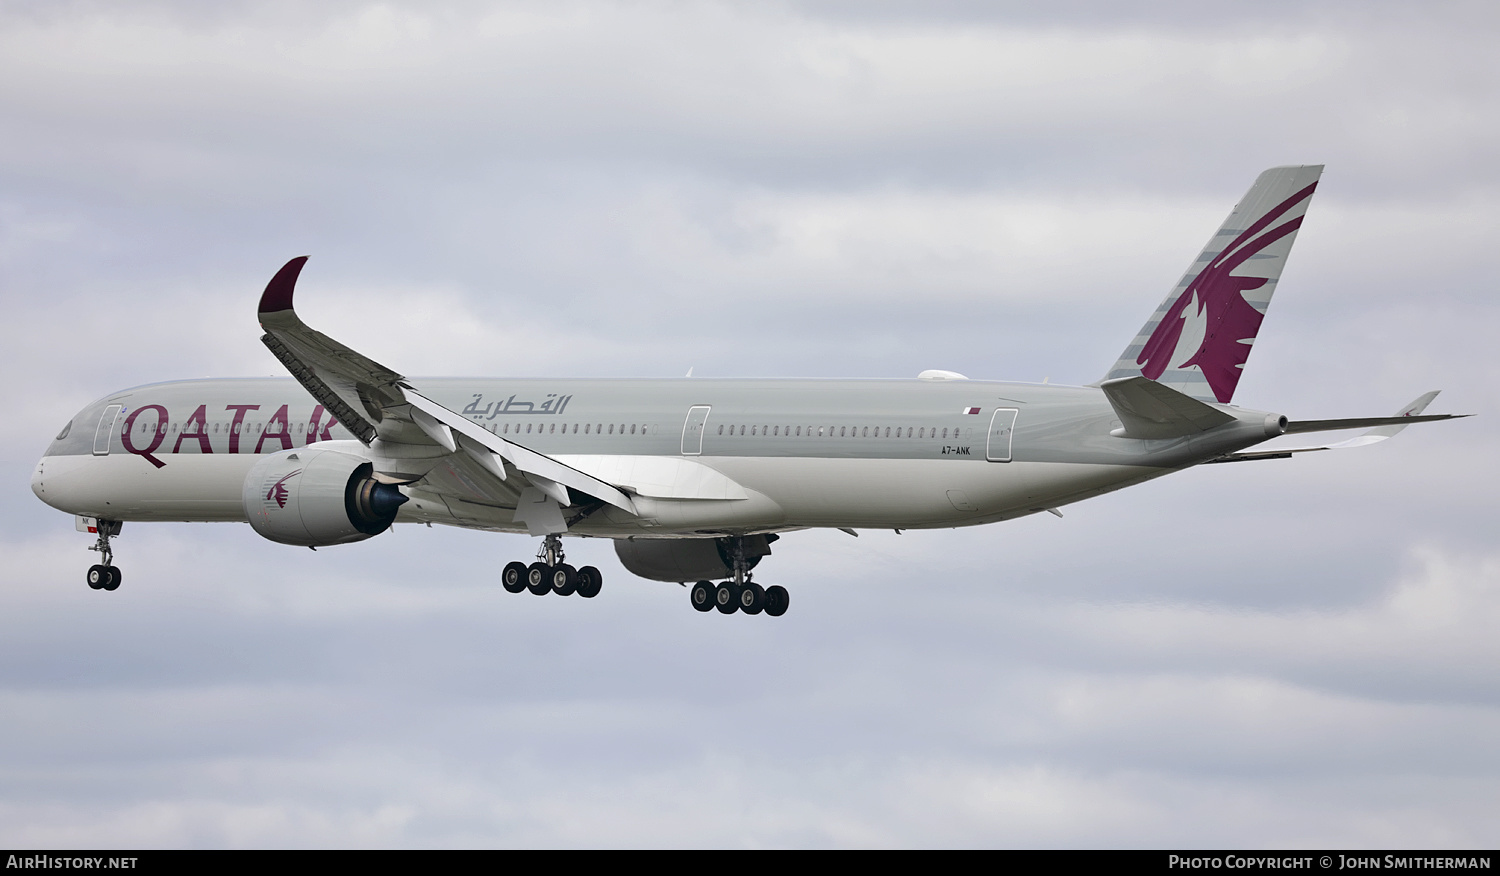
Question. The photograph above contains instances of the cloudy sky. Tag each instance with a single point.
(1291, 653)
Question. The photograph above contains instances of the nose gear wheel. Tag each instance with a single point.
(105, 575)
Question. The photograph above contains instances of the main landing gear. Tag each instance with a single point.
(104, 576)
(741, 593)
(549, 574)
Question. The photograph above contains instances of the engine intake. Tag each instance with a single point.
(315, 498)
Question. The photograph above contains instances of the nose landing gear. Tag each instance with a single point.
(104, 576)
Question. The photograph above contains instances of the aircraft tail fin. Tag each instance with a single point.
(1197, 341)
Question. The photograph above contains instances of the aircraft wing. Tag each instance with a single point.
(380, 405)
(1383, 428)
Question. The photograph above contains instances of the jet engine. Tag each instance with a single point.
(687, 559)
(314, 498)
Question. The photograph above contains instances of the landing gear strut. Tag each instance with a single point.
(740, 593)
(104, 576)
(550, 574)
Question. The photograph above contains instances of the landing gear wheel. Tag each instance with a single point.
(589, 582)
(113, 583)
(98, 577)
(539, 579)
(752, 598)
(727, 598)
(777, 600)
(702, 595)
(513, 579)
(564, 579)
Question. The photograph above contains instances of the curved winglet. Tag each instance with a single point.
(278, 294)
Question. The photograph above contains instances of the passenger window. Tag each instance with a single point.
(721, 428)
(632, 428)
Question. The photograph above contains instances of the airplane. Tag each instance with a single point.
(692, 478)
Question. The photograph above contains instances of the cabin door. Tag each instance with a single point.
(106, 429)
(1002, 424)
(692, 430)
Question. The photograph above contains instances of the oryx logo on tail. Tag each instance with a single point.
(1199, 339)
(1230, 323)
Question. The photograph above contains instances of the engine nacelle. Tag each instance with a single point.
(686, 559)
(312, 498)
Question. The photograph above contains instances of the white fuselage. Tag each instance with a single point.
(699, 457)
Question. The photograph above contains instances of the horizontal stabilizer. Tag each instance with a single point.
(1365, 422)
(1384, 427)
(1148, 409)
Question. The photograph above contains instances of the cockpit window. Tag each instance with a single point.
(65, 430)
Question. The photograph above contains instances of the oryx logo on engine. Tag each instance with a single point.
(278, 493)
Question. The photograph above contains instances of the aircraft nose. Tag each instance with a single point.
(38, 485)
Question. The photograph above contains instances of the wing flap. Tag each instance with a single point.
(532, 464)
